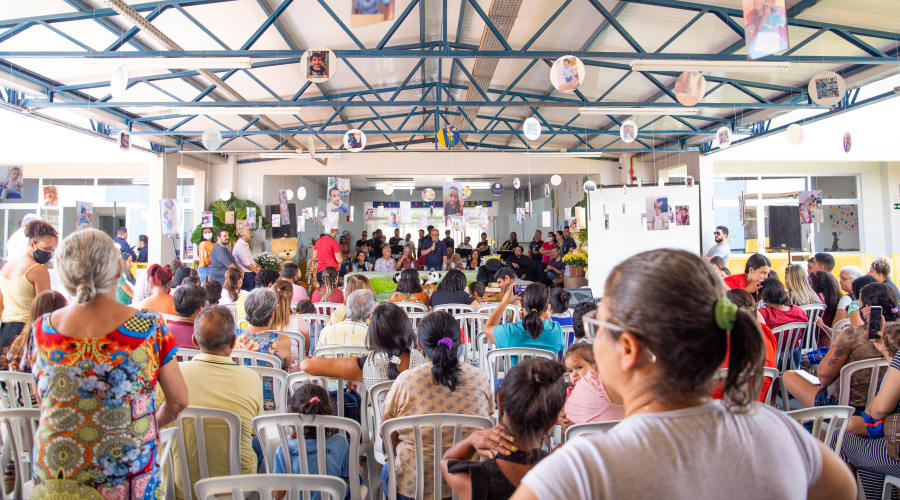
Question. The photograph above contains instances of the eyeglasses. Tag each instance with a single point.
(595, 324)
(717, 234)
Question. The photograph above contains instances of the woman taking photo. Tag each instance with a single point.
(160, 285)
(23, 278)
(756, 270)
(659, 362)
(535, 329)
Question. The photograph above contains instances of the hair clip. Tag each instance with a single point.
(314, 399)
(446, 341)
(395, 360)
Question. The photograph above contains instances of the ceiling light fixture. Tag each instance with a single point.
(172, 62)
(236, 110)
(706, 66)
(640, 110)
(379, 186)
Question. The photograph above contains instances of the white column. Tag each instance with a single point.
(163, 184)
(703, 175)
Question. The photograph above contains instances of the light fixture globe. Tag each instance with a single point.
(289, 194)
(225, 195)
(301, 193)
(388, 187)
(556, 180)
(590, 186)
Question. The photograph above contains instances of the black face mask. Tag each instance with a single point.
(40, 256)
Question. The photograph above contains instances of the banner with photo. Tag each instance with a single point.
(657, 213)
(338, 195)
(51, 197)
(365, 12)
(811, 207)
(453, 199)
(765, 27)
(168, 216)
(283, 204)
(84, 215)
(11, 182)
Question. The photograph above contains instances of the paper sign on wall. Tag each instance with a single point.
(546, 217)
(301, 224)
(276, 220)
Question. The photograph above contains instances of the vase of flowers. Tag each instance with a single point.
(577, 262)
(268, 260)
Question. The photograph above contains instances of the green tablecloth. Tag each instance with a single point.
(470, 275)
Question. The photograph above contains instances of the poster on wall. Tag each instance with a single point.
(331, 221)
(657, 213)
(765, 27)
(168, 216)
(11, 182)
(520, 215)
(810, 207)
(241, 227)
(283, 204)
(251, 217)
(406, 212)
(84, 215)
(682, 215)
(338, 195)
(742, 208)
(366, 12)
(580, 218)
(368, 212)
(276, 220)
(51, 197)
(206, 219)
(380, 211)
(301, 224)
(453, 206)
(393, 219)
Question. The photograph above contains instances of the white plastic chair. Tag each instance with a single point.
(279, 385)
(166, 461)
(326, 308)
(838, 417)
(415, 319)
(839, 326)
(21, 391)
(875, 376)
(502, 358)
(579, 429)
(472, 323)
(511, 315)
(316, 323)
(169, 317)
(437, 422)
(455, 309)
(197, 417)
(890, 482)
(788, 337)
(298, 346)
(813, 312)
(239, 487)
(184, 354)
(377, 395)
(483, 345)
(253, 358)
(18, 427)
(410, 307)
(568, 333)
(232, 307)
(768, 372)
(343, 351)
(283, 427)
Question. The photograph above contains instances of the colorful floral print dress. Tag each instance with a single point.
(266, 343)
(97, 438)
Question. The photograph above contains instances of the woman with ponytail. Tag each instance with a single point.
(392, 349)
(536, 329)
(779, 311)
(443, 385)
(98, 362)
(160, 285)
(658, 344)
(329, 291)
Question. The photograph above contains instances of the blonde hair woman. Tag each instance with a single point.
(881, 270)
(352, 283)
(284, 319)
(796, 281)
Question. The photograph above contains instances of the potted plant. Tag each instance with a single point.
(576, 262)
(239, 207)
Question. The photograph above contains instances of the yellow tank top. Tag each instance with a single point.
(18, 294)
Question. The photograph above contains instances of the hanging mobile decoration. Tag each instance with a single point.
(301, 193)
(517, 183)
(428, 195)
(846, 142)
(589, 186)
(496, 189)
(354, 140)
(448, 137)
(225, 195)
(211, 139)
(118, 82)
(794, 134)
(388, 188)
(320, 64)
(690, 88)
(531, 128)
(546, 190)
(555, 179)
(312, 147)
(567, 73)
(827, 88)
(628, 132)
(724, 136)
(287, 194)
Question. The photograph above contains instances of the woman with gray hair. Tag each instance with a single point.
(98, 361)
(257, 336)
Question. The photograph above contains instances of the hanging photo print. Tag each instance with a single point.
(453, 199)
(354, 140)
(311, 144)
(368, 212)
(241, 227)
(827, 88)
(393, 219)
(124, 141)
(628, 132)
(428, 195)
(742, 209)
(545, 219)
(283, 204)
(423, 220)
(546, 190)
(366, 12)
(566, 73)
(229, 217)
(251, 217)
(690, 88)
(531, 128)
(331, 221)
(379, 211)
(301, 224)
(657, 213)
(448, 136)
(847, 142)
(765, 27)
(448, 223)
(320, 64)
(211, 139)
(51, 197)
(724, 137)
(810, 207)
(84, 215)
(580, 218)
(11, 182)
(794, 134)
(276, 219)
(517, 183)
(118, 82)
(338, 195)
(520, 215)
(168, 216)
(206, 219)
(406, 212)
(496, 189)
(682, 215)
(606, 221)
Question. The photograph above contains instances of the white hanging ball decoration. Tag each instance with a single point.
(388, 187)
(225, 195)
(301, 193)
(289, 194)
(794, 134)
(556, 180)
(590, 186)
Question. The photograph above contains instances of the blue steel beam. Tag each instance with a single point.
(266, 24)
(128, 35)
(801, 7)
(490, 25)
(394, 27)
(6, 35)
(102, 13)
(341, 24)
(546, 25)
(65, 35)
(611, 19)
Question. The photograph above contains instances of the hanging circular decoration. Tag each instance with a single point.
(628, 131)
(690, 88)
(496, 189)
(567, 73)
(794, 134)
(301, 193)
(118, 83)
(517, 183)
(531, 128)
(428, 195)
(590, 186)
(354, 140)
(289, 194)
(827, 88)
(225, 195)
(320, 64)
(466, 191)
(622, 161)
(546, 190)
(556, 180)
(724, 137)
(448, 137)
(311, 144)
(388, 187)
(211, 139)
(847, 142)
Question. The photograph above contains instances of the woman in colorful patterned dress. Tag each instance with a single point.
(258, 337)
(96, 363)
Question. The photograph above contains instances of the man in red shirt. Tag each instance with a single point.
(327, 252)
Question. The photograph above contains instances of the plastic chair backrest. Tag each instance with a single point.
(248, 358)
(316, 323)
(166, 462)
(838, 417)
(511, 315)
(838, 326)
(298, 346)
(437, 422)
(813, 312)
(169, 317)
(196, 415)
(568, 333)
(326, 308)
(410, 307)
(415, 319)
(472, 323)
(279, 385)
(20, 389)
(788, 337)
(184, 354)
(483, 345)
(18, 428)
(330, 384)
(287, 425)
(497, 358)
(455, 309)
(579, 429)
(266, 484)
(875, 377)
(232, 307)
(768, 372)
(890, 482)
(377, 395)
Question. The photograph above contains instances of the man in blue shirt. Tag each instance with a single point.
(568, 243)
(122, 241)
(435, 252)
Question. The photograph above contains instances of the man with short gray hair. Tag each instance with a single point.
(352, 331)
(205, 376)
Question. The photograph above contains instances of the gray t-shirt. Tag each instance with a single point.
(720, 251)
(699, 452)
(219, 260)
